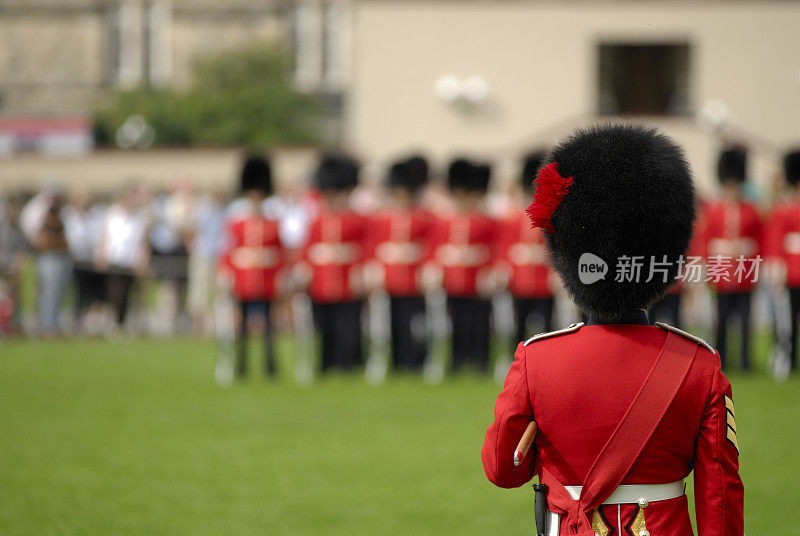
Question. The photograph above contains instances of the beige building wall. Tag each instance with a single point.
(61, 56)
(540, 61)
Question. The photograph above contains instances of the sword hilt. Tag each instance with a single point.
(540, 508)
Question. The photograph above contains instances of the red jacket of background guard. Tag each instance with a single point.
(463, 245)
(523, 254)
(731, 229)
(559, 381)
(783, 240)
(399, 244)
(253, 255)
(335, 254)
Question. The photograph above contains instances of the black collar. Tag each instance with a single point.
(636, 316)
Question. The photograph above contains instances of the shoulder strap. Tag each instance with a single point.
(629, 438)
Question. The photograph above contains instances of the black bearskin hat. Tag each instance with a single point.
(481, 174)
(459, 174)
(400, 176)
(630, 195)
(336, 173)
(530, 166)
(732, 164)
(418, 170)
(791, 167)
(256, 175)
(470, 176)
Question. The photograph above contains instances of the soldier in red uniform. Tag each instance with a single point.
(731, 239)
(625, 410)
(252, 259)
(334, 256)
(782, 244)
(399, 239)
(463, 246)
(523, 259)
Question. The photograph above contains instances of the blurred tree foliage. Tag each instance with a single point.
(237, 97)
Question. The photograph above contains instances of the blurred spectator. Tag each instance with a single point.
(83, 223)
(52, 264)
(169, 235)
(122, 251)
(13, 248)
(209, 217)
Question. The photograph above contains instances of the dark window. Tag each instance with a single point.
(651, 79)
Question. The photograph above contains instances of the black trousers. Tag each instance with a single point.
(339, 325)
(730, 305)
(667, 309)
(409, 337)
(247, 309)
(524, 308)
(118, 291)
(471, 320)
(794, 300)
(89, 288)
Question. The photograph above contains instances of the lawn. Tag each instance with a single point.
(135, 438)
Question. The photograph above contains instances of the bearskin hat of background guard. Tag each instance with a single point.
(791, 167)
(459, 174)
(629, 193)
(256, 175)
(410, 174)
(531, 163)
(732, 164)
(481, 175)
(336, 173)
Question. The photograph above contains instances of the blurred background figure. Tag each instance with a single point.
(332, 263)
(44, 228)
(83, 225)
(522, 259)
(398, 236)
(209, 221)
(251, 261)
(782, 244)
(170, 234)
(123, 252)
(463, 247)
(732, 229)
(13, 250)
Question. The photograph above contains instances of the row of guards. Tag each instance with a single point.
(449, 274)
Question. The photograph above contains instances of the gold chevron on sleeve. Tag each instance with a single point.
(730, 423)
(729, 405)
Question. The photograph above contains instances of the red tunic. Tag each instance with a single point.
(335, 253)
(463, 245)
(398, 244)
(578, 386)
(253, 255)
(782, 241)
(731, 229)
(523, 254)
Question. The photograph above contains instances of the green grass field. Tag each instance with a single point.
(101, 438)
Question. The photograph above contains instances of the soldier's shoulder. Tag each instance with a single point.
(569, 329)
(687, 335)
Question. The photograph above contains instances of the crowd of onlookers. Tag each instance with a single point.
(92, 256)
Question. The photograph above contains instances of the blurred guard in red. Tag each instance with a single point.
(732, 230)
(399, 241)
(334, 255)
(252, 259)
(464, 249)
(523, 259)
(614, 447)
(783, 243)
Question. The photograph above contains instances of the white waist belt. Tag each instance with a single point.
(642, 494)
(631, 493)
